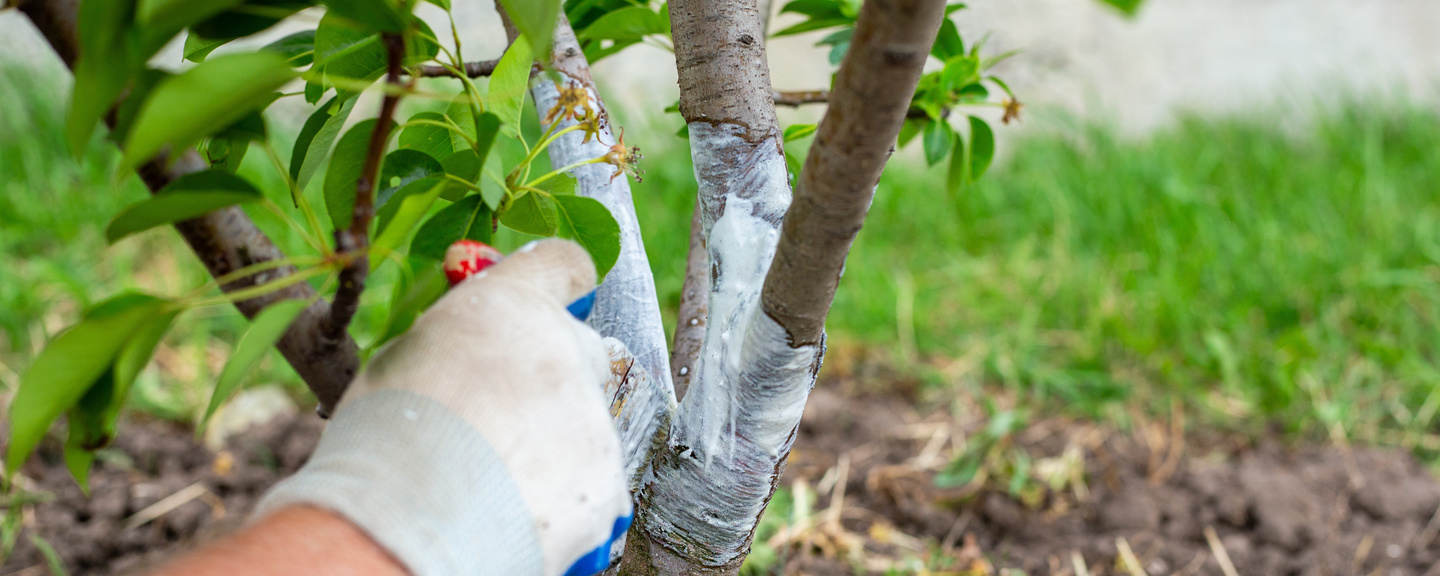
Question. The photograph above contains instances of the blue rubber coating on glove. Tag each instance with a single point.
(622, 524)
(581, 308)
(594, 562)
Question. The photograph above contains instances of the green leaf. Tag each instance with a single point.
(102, 68)
(369, 15)
(469, 218)
(177, 14)
(189, 196)
(959, 72)
(626, 24)
(412, 295)
(345, 166)
(909, 130)
(185, 108)
(445, 4)
(536, 21)
(402, 167)
(251, 128)
(839, 43)
(982, 147)
(52, 558)
(487, 128)
(509, 84)
(595, 50)
(129, 108)
(414, 202)
(938, 138)
(958, 174)
(588, 222)
(197, 48)
(345, 51)
(70, 365)
(92, 419)
(531, 214)
(948, 43)
(265, 330)
(226, 154)
(814, 8)
(428, 138)
(1126, 7)
(560, 185)
(797, 131)
(317, 135)
(298, 48)
(809, 25)
(246, 19)
(86, 432)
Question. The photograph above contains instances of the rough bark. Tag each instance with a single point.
(626, 306)
(867, 108)
(708, 486)
(694, 309)
(227, 240)
(720, 54)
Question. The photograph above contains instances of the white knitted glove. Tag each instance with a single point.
(479, 442)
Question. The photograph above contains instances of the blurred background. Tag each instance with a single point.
(1226, 201)
(1217, 220)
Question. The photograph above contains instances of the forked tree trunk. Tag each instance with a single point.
(706, 490)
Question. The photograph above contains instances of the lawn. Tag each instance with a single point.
(1262, 272)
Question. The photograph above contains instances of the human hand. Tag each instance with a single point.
(479, 442)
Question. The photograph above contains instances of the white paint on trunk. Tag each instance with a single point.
(706, 491)
(626, 307)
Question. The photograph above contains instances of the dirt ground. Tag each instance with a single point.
(1175, 503)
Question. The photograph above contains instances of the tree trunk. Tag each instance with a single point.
(708, 487)
(626, 306)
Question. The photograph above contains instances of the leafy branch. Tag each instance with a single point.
(355, 239)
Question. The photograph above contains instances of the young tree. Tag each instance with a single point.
(762, 271)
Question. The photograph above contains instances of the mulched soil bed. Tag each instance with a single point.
(1274, 510)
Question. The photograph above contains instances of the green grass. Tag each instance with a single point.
(1259, 273)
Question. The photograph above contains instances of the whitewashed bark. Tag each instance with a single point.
(707, 488)
(626, 307)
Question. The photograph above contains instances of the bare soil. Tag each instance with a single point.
(871, 462)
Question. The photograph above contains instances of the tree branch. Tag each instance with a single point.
(356, 239)
(694, 308)
(796, 99)
(867, 108)
(479, 69)
(227, 240)
(626, 306)
(720, 56)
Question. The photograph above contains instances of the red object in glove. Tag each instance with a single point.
(466, 258)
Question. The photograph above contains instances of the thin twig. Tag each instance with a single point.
(1132, 564)
(356, 238)
(1218, 549)
(165, 505)
(798, 98)
(1426, 536)
(1078, 562)
(479, 69)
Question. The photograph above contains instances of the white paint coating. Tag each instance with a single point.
(626, 307)
(708, 489)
